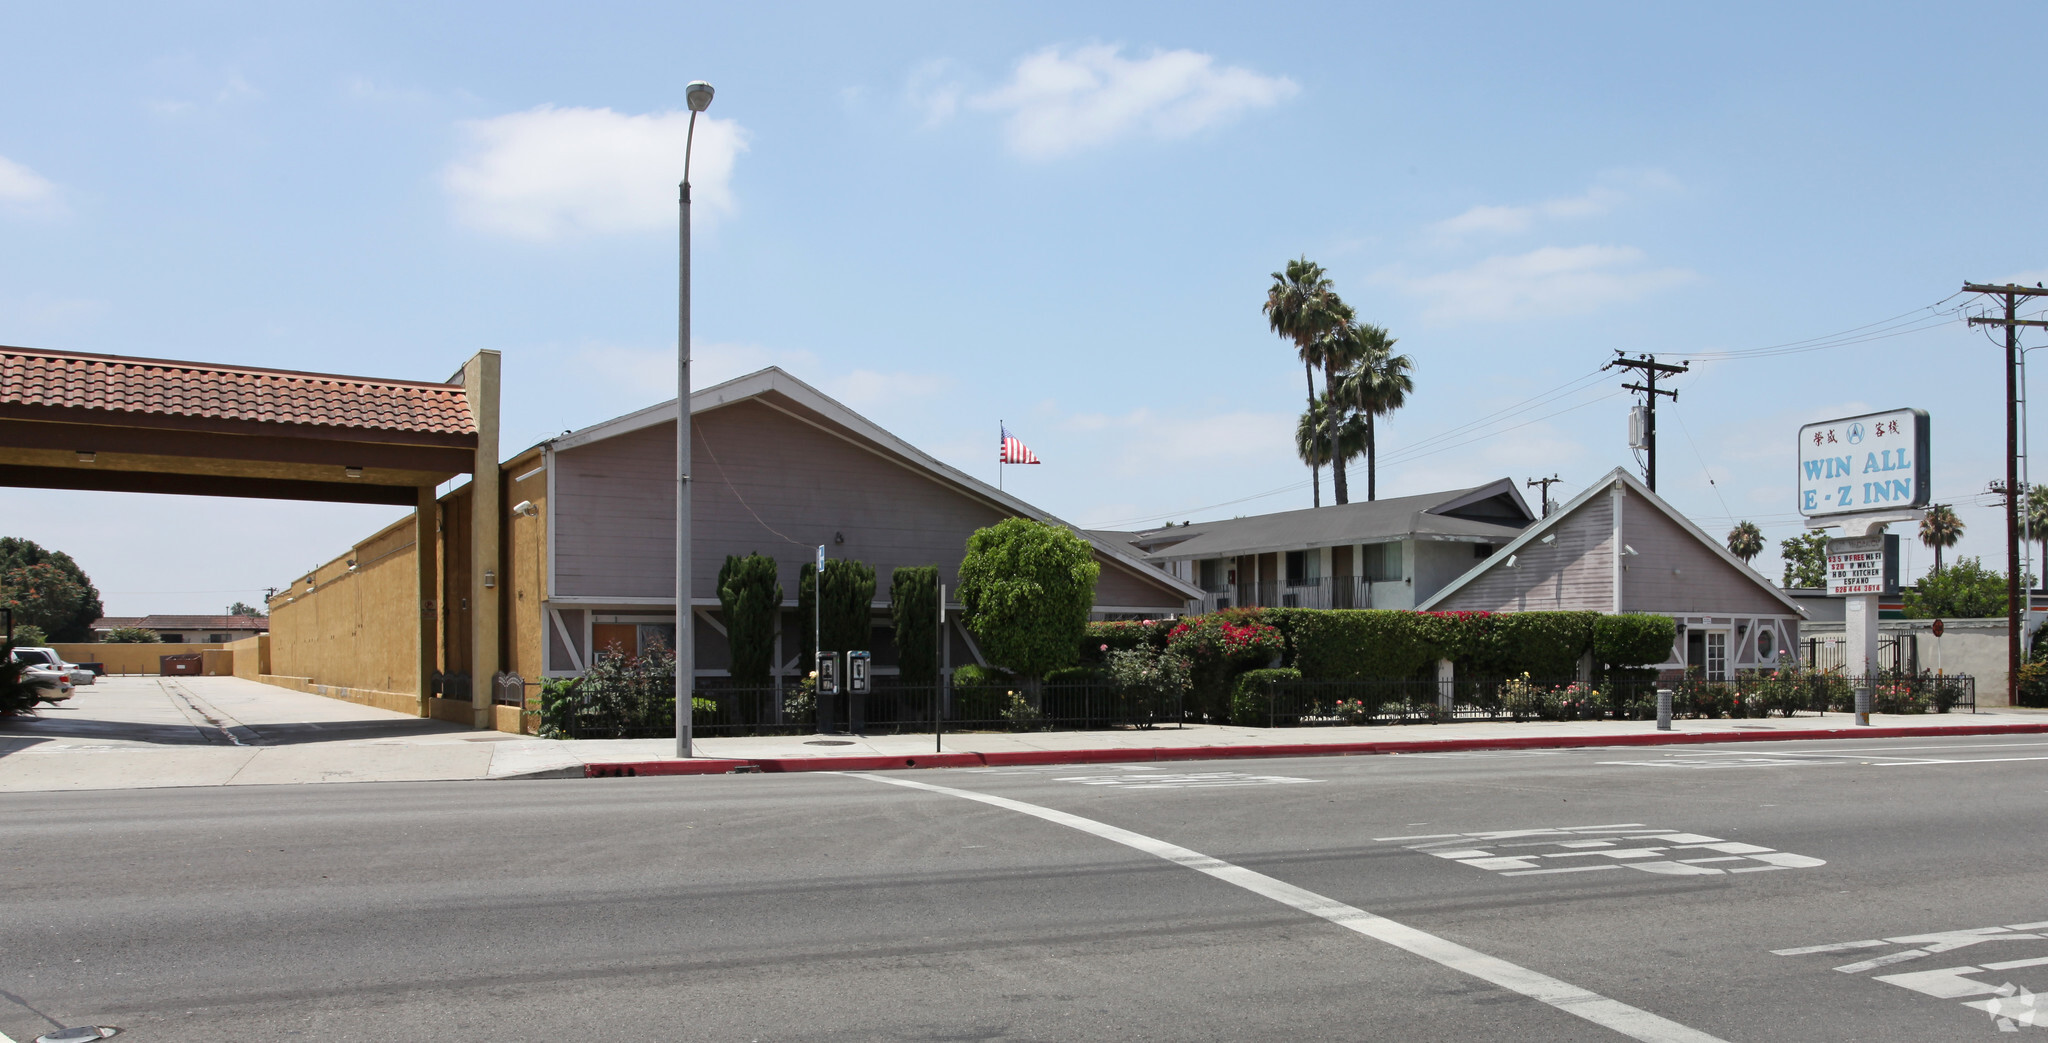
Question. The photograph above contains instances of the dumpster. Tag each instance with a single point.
(186, 663)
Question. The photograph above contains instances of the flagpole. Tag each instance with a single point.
(1002, 451)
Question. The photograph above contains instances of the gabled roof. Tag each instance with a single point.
(41, 384)
(1586, 495)
(1482, 514)
(778, 390)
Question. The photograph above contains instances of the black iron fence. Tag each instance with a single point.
(1283, 704)
(649, 710)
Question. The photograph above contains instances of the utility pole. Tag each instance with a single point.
(1546, 483)
(1649, 367)
(2012, 323)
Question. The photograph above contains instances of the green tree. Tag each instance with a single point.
(29, 635)
(131, 636)
(1027, 588)
(1745, 541)
(1377, 384)
(1963, 590)
(749, 597)
(1298, 308)
(1940, 529)
(242, 608)
(914, 609)
(66, 610)
(1806, 561)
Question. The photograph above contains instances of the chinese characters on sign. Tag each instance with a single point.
(1864, 463)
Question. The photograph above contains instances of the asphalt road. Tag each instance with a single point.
(1609, 894)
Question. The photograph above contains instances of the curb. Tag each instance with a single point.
(1019, 758)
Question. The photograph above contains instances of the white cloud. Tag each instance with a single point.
(1613, 189)
(25, 192)
(1552, 280)
(933, 90)
(1062, 100)
(549, 173)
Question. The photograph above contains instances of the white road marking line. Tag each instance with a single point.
(1809, 950)
(1629, 1021)
(1960, 760)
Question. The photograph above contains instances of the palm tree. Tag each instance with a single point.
(1377, 385)
(1314, 433)
(1297, 309)
(1940, 528)
(1745, 541)
(1337, 350)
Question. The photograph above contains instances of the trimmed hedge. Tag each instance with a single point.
(1633, 639)
(1248, 695)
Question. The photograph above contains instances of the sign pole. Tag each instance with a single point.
(938, 706)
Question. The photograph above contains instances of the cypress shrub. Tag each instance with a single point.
(1248, 694)
(914, 608)
(749, 596)
(847, 598)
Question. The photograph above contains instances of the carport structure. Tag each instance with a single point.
(70, 420)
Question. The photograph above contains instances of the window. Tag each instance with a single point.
(1210, 579)
(1482, 550)
(1382, 562)
(1297, 567)
(220, 638)
(171, 639)
(1717, 655)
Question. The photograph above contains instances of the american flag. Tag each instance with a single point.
(1015, 452)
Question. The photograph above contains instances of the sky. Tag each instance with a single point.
(1062, 218)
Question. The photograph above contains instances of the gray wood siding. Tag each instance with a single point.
(767, 482)
(1573, 573)
(1672, 573)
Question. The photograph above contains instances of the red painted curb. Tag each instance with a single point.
(1019, 758)
(870, 762)
(634, 769)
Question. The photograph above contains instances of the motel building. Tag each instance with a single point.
(584, 526)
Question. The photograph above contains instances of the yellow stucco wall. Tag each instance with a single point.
(128, 659)
(252, 656)
(356, 628)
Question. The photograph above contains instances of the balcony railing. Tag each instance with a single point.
(1311, 592)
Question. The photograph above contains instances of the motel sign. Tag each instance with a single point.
(1873, 462)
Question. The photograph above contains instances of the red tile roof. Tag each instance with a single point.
(184, 622)
(122, 385)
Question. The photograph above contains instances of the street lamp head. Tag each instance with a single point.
(698, 94)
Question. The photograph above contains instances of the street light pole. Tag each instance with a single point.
(698, 95)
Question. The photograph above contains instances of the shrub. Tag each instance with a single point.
(1248, 694)
(1350, 644)
(749, 597)
(1545, 645)
(559, 700)
(1154, 683)
(1028, 588)
(626, 695)
(914, 609)
(131, 636)
(1101, 637)
(1076, 675)
(30, 635)
(1217, 649)
(1633, 639)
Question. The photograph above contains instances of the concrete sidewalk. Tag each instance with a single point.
(146, 732)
